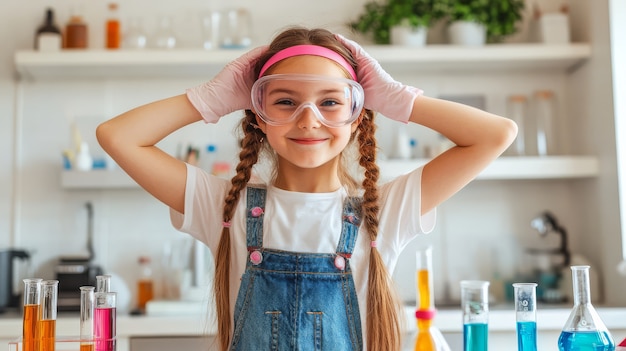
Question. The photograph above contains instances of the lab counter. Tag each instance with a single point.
(502, 333)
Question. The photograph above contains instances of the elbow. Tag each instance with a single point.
(104, 135)
(509, 132)
(505, 135)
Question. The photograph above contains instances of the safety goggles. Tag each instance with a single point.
(280, 99)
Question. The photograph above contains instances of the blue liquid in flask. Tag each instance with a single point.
(475, 337)
(586, 341)
(526, 336)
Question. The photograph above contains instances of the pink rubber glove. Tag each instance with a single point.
(382, 93)
(229, 90)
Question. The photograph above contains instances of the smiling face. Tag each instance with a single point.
(306, 148)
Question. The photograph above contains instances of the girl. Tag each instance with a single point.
(304, 262)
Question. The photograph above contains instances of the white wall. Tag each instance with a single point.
(486, 217)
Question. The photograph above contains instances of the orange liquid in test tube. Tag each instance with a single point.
(424, 340)
(86, 347)
(47, 334)
(423, 289)
(31, 314)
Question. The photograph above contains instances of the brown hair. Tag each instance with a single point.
(383, 317)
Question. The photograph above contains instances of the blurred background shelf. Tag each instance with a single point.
(552, 167)
(150, 63)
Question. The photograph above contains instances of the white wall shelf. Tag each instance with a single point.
(553, 167)
(126, 64)
(550, 167)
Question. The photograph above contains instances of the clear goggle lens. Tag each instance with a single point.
(280, 98)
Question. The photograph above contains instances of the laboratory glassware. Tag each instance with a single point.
(584, 330)
(87, 306)
(105, 321)
(526, 315)
(145, 283)
(517, 110)
(32, 294)
(46, 327)
(428, 337)
(475, 309)
(103, 283)
(545, 122)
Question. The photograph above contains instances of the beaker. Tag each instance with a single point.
(105, 321)
(32, 294)
(526, 315)
(210, 29)
(87, 305)
(584, 330)
(46, 327)
(428, 337)
(135, 37)
(164, 36)
(475, 308)
(236, 29)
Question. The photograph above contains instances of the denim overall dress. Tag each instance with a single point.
(297, 301)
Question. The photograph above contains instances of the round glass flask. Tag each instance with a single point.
(584, 330)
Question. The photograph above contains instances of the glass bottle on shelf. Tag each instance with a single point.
(428, 337)
(145, 283)
(113, 31)
(164, 37)
(584, 330)
(48, 36)
(545, 123)
(76, 32)
(517, 106)
(135, 36)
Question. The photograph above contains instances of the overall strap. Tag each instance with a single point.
(351, 220)
(255, 211)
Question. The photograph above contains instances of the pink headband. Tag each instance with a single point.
(315, 50)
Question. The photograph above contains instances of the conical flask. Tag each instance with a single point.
(584, 330)
(428, 337)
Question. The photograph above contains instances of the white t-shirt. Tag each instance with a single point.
(296, 221)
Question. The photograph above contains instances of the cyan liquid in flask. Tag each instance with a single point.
(584, 330)
(526, 315)
(475, 307)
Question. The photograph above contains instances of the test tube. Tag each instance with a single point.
(103, 283)
(46, 327)
(105, 321)
(32, 294)
(87, 305)
(475, 308)
(526, 315)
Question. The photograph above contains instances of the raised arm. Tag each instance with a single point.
(480, 137)
(130, 140)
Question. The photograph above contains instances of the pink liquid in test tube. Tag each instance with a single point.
(104, 322)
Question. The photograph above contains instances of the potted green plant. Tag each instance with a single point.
(381, 19)
(495, 18)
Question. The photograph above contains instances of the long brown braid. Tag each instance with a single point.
(384, 326)
(383, 322)
(251, 145)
